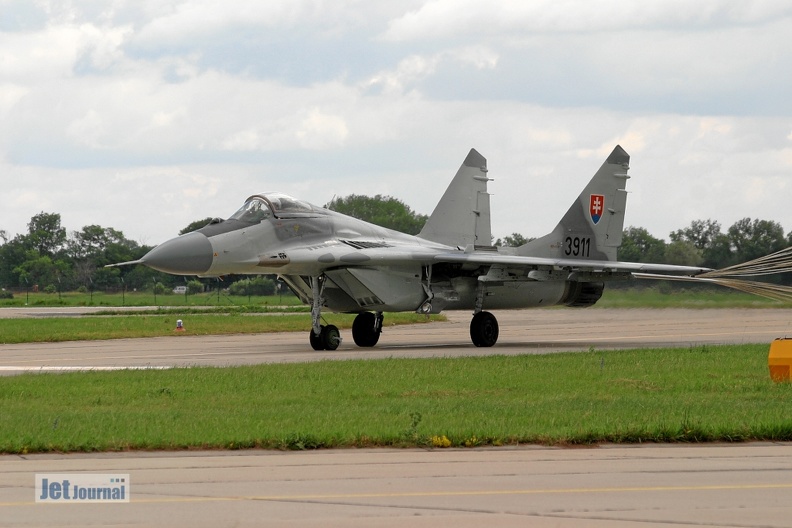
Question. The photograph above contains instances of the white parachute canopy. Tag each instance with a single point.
(773, 264)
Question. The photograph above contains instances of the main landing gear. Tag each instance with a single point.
(484, 329)
(366, 328)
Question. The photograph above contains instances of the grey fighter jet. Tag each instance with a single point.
(343, 264)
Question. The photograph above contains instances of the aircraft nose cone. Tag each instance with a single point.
(189, 254)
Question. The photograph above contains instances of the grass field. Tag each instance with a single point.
(719, 393)
(54, 329)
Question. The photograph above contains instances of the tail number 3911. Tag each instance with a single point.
(577, 246)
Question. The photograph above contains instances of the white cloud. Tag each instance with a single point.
(148, 141)
(442, 19)
(244, 140)
(312, 130)
(321, 131)
(415, 68)
(679, 173)
(88, 130)
(10, 95)
(35, 56)
(196, 18)
(481, 57)
(185, 23)
(53, 52)
(101, 47)
(408, 71)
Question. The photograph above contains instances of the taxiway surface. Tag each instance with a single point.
(669, 485)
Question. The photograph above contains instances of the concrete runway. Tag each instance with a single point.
(736, 485)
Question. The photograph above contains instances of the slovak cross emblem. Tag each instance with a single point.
(596, 206)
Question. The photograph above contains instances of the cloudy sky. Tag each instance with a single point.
(145, 115)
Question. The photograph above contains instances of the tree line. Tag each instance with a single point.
(705, 243)
(52, 259)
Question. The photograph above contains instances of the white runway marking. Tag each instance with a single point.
(44, 368)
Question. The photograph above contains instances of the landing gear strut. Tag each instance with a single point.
(366, 329)
(322, 337)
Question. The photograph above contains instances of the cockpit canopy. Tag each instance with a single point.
(254, 211)
(259, 207)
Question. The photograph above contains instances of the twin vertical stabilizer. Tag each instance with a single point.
(592, 227)
(462, 217)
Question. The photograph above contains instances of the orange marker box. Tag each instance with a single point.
(780, 360)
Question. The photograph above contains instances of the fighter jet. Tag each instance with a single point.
(338, 263)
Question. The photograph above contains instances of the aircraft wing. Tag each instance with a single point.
(496, 259)
(341, 256)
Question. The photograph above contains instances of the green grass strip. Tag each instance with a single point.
(702, 297)
(146, 299)
(55, 329)
(721, 393)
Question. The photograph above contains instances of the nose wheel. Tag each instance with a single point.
(322, 337)
(328, 338)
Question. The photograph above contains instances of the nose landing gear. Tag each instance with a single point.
(322, 337)
(328, 338)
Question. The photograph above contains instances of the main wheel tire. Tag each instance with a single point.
(484, 329)
(363, 330)
(317, 341)
(331, 337)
